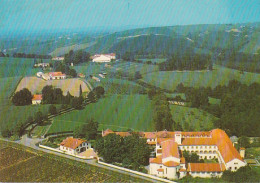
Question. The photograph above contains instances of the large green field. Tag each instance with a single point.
(117, 112)
(118, 86)
(118, 66)
(219, 76)
(192, 119)
(10, 114)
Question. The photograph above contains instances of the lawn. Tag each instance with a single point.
(192, 119)
(117, 112)
(253, 152)
(219, 76)
(12, 67)
(22, 164)
(35, 85)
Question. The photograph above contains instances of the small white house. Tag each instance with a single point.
(39, 74)
(37, 99)
(74, 146)
(101, 59)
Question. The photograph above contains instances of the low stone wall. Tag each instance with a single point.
(63, 152)
(136, 172)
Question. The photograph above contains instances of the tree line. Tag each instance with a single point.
(238, 111)
(162, 116)
(77, 57)
(31, 55)
(187, 61)
(61, 67)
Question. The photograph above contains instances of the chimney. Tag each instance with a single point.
(242, 152)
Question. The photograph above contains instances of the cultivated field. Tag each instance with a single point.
(219, 76)
(35, 85)
(117, 112)
(192, 119)
(20, 164)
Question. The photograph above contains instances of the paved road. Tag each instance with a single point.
(30, 142)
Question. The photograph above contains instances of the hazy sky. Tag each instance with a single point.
(32, 15)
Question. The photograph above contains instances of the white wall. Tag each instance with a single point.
(235, 164)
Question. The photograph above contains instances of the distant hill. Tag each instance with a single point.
(145, 41)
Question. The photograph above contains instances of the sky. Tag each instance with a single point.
(35, 15)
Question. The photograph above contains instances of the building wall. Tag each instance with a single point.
(206, 174)
(35, 102)
(235, 164)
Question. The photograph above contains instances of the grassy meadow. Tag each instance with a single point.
(117, 112)
(13, 67)
(219, 76)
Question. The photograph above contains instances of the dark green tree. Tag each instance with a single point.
(22, 97)
(53, 109)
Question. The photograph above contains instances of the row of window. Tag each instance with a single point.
(199, 147)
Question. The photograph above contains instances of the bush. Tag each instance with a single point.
(22, 97)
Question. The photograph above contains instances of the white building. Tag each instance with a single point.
(37, 99)
(74, 146)
(102, 58)
(169, 147)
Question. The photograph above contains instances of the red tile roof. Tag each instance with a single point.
(157, 160)
(198, 141)
(123, 134)
(160, 140)
(225, 146)
(37, 97)
(56, 74)
(171, 164)
(205, 167)
(72, 143)
(170, 149)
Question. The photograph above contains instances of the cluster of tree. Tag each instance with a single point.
(60, 67)
(243, 174)
(132, 151)
(187, 61)
(76, 57)
(96, 93)
(239, 108)
(31, 55)
(52, 95)
(88, 130)
(162, 116)
(238, 60)
(22, 97)
(191, 157)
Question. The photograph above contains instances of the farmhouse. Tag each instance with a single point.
(74, 146)
(42, 65)
(57, 75)
(169, 147)
(37, 99)
(101, 58)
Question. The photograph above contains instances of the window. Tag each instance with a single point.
(210, 147)
(235, 168)
(166, 170)
(196, 147)
(230, 168)
(160, 166)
